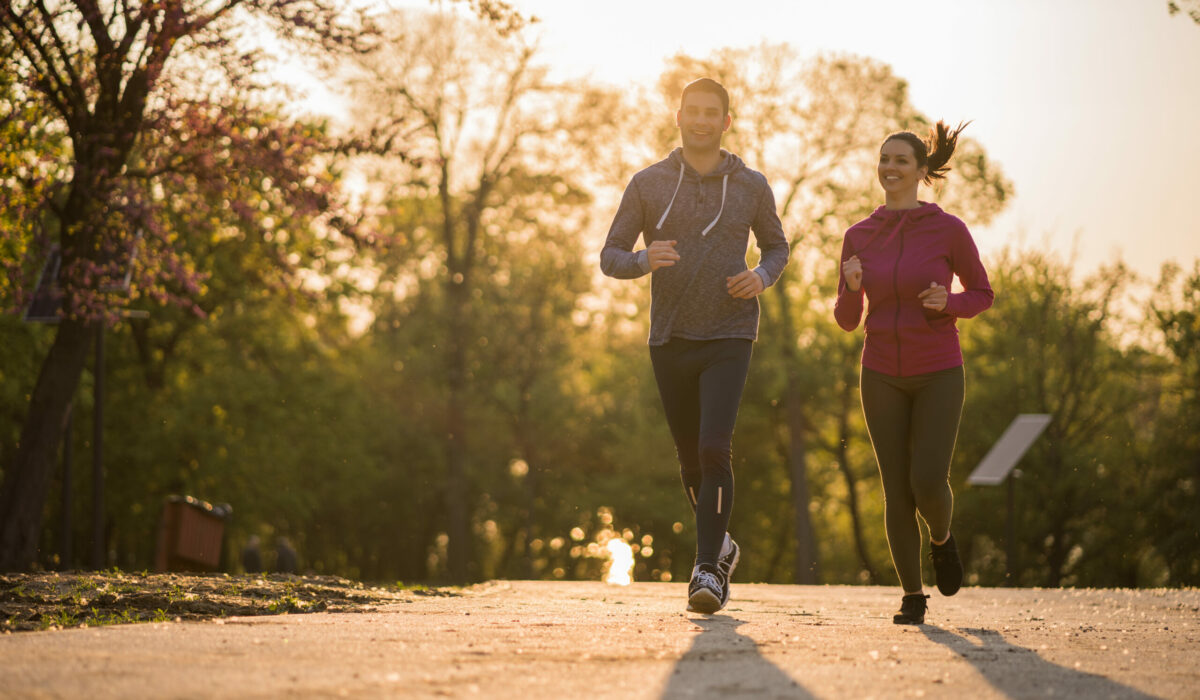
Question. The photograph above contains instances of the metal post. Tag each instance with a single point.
(1010, 535)
(65, 554)
(98, 557)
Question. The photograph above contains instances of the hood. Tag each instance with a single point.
(886, 216)
(728, 165)
(893, 220)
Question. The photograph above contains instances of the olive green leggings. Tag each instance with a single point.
(913, 422)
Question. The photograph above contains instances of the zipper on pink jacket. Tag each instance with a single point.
(896, 292)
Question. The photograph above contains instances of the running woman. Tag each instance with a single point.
(695, 210)
(903, 257)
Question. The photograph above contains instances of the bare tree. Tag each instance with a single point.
(474, 112)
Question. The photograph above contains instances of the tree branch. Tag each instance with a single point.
(50, 28)
(51, 83)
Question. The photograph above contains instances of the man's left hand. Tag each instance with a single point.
(745, 285)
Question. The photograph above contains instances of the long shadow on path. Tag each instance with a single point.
(725, 664)
(1019, 672)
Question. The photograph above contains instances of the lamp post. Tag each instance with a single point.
(44, 308)
(997, 466)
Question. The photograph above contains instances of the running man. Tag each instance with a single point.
(695, 209)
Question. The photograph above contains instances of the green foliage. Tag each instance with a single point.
(1190, 7)
(1052, 344)
(312, 390)
(1170, 468)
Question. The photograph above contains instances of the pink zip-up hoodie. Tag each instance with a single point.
(901, 253)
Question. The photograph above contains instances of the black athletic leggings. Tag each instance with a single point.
(913, 422)
(700, 383)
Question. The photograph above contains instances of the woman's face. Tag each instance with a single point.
(898, 171)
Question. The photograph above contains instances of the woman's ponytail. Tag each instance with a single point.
(942, 141)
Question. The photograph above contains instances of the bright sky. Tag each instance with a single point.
(1092, 107)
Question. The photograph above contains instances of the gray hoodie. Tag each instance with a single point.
(710, 218)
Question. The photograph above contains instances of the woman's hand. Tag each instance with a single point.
(852, 271)
(934, 297)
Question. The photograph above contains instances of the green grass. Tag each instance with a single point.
(86, 585)
(122, 618)
(61, 619)
(287, 603)
(178, 594)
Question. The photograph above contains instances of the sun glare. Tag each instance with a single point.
(619, 570)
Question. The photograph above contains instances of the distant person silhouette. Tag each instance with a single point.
(904, 258)
(252, 555)
(285, 557)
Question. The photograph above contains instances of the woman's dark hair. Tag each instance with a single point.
(934, 152)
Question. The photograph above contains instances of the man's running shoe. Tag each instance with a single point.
(708, 591)
(727, 562)
(947, 567)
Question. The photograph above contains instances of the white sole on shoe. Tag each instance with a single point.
(703, 601)
(737, 557)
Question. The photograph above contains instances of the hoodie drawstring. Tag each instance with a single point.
(724, 190)
(724, 187)
(672, 202)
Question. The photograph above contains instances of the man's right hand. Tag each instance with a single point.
(852, 271)
(661, 254)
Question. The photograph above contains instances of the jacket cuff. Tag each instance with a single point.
(643, 260)
(765, 277)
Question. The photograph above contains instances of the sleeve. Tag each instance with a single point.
(848, 308)
(772, 242)
(977, 293)
(617, 258)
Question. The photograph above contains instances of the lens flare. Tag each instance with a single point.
(620, 562)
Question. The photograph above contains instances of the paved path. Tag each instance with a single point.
(531, 640)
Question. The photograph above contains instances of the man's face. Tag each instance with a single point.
(702, 121)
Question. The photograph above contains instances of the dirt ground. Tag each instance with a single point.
(533, 639)
(52, 600)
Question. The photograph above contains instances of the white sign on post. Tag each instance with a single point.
(1011, 446)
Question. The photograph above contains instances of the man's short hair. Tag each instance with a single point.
(707, 85)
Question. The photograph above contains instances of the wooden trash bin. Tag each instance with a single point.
(190, 535)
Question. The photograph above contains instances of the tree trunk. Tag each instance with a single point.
(780, 547)
(526, 436)
(852, 484)
(459, 529)
(806, 569)
(532, 487)
(1056, 557)
(23, 494)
